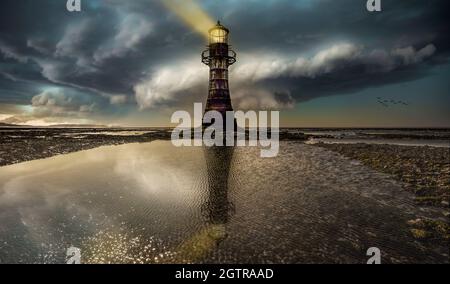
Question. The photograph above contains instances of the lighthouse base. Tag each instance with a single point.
(220, 125)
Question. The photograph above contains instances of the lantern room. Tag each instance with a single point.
(218, 34)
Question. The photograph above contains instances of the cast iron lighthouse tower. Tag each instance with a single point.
(219, 56)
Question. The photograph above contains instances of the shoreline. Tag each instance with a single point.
(44, 143)
(422, 170)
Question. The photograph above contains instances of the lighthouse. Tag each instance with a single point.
(218, 56)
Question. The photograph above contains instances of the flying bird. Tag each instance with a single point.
(383, 104)
(388, 102)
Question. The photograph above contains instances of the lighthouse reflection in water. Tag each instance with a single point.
(156, 203)
(218, 208)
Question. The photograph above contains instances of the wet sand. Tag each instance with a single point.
(137, 203)
(20, 145)
(423, 171)
(26, 144)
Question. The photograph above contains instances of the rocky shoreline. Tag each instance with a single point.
(423, 170)
(21, 145)
(26, 144)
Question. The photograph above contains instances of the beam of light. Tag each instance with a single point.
(192, 14)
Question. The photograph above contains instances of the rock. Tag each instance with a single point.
(415, 222)
(419, 234)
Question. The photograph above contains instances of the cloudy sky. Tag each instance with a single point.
(321, 62)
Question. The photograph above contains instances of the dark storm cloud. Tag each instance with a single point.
(137, 51)
(342, 68)
(264, 80)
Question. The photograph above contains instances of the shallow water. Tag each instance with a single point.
(153, 203)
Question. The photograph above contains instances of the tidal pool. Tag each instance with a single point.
(155, 203)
